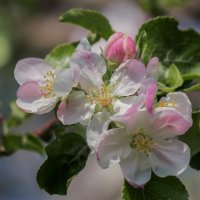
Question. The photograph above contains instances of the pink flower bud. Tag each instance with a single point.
(119, 48)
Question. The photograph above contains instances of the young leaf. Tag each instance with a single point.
(192, 137)
(13, 143)
(169, 188)
(89, 19)
(172, 46)
(194, 87)
(60, 55)
(169, 79)
(67, 155)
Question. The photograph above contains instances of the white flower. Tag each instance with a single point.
(118, 95)
(41, 85)
(145, 142)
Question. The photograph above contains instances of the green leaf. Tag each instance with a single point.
(194, 87)
(172, 46)
(195, 161)
(60, 55)
(192, 136)
(13, 143)
(169, 79)
(169, 188)
(67, 155)
(89, 19)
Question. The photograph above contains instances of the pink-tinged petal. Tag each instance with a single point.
(31, 69)
(149, 89)
(113, 147)
(178, 101)
(169, 123)
(136, 169)
(84, 45)
(29, 99)
(152, 68)
(64, 81)
(127, 79)
(91, 66)
(96, 127)
(76, 110)
(129, 48)
(29, 92)
(169, 157)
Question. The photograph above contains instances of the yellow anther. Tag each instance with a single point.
(47, 86)
(142, 143)
(166, 104)
(101, 96)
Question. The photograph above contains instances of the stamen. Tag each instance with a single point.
(47, 87)
(101, 96)
(166, 104)
(142, 143)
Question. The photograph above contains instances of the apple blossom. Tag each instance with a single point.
(117, 96)
(145, 142)
(119, 48)
(41, 85)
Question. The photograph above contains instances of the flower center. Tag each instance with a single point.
(166, 104)
(101, 96)
(47, 86)
(142, 143)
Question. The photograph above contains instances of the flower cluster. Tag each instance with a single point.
(125, 122)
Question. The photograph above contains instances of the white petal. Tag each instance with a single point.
(113, 147)
(40, 106)
(76, 110)
(182, 103)
(120, 106)
(127, 79)
(64, 81)
(31, 69)
(152, 68)
(96, 127)
(92, 67)
(169, 158)
(84, 45)
(136, 168)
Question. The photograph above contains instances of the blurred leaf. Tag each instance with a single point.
(89, 19)
(192, 136)
(169, 188)
(67, 156)
(60, 55)
(17, 116)
(169, 79)
(195, 161)
(141, 45)
(194, 87)
(172, 46)
(13, 143)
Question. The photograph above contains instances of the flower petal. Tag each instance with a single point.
(84, 45)
(31, 69)
(29, 99)
(168, 124)
(64, 81)
(149, 89)
(136, 169)
(181, 101)
(91, 66)
(127, 79)
(76, 110)
(96, 127)
(113, 147)
(169, 158)
(120, 106)
(152, 68)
